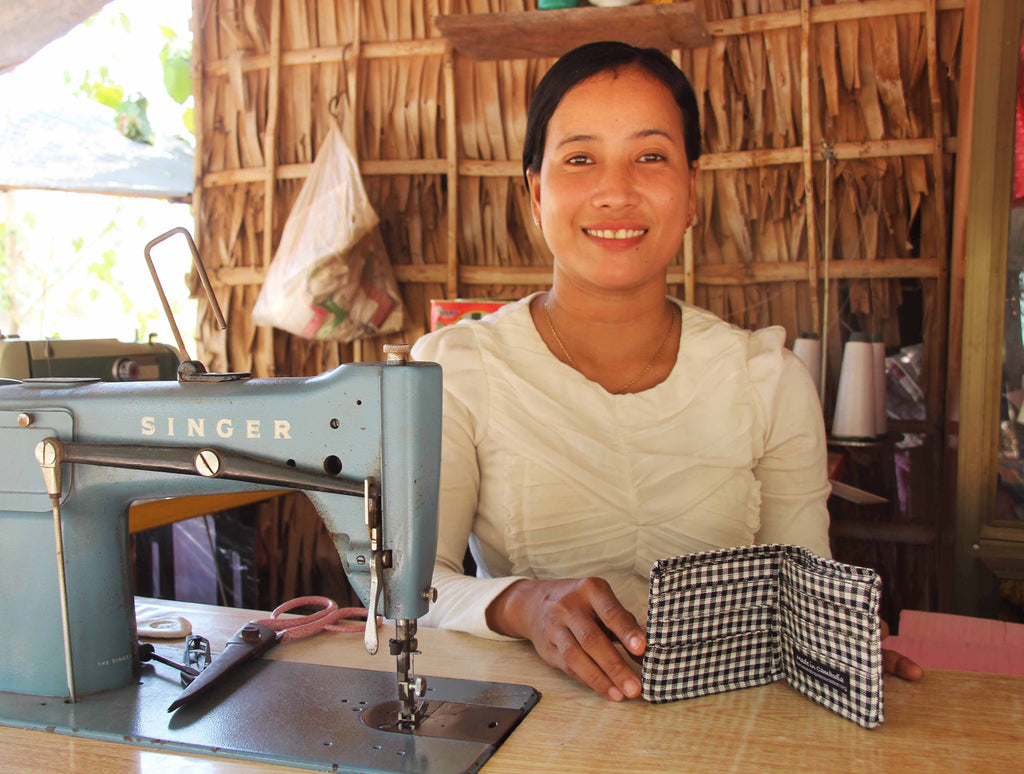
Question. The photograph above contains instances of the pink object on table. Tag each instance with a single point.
(944, 641)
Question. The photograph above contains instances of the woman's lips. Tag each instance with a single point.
(615, 233)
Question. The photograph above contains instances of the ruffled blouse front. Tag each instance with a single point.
(550, 476)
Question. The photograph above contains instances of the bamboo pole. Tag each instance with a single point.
(718, 275)
(196, 73)
(937, 386)
(709, 162)
(358, 353)
(265, 334)
(808, 159)
(778, 20)
(451, 280)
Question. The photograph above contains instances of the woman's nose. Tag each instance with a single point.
(616, 186)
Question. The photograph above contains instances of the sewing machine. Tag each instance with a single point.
(107, 359)
(362, 442)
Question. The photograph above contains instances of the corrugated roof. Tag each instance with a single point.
(75, 146)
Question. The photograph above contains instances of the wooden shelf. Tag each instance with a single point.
(529, 34)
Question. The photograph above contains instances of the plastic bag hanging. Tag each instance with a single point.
(330, 277)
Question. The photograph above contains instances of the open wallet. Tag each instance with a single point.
(740, 617)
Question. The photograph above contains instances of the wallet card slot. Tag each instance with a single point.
(670, 633)
(703, 601)
(714, 666)
(854, 691)
(842, 621)
(855, 652)
(854, 593)
(717, 569)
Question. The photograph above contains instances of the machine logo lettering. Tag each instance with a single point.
(199, 427)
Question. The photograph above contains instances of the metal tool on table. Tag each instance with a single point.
(257, 637)
(362, 442)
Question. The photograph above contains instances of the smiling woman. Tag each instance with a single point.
(598, 427)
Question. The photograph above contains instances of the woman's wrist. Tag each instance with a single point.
(502, 613)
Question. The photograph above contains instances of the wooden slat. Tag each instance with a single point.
(397, 49)
(514, 169)
(527, 34)
(778, 20)
(722, 274)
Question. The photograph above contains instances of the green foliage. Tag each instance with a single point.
(176, 59)
(132, 120)
(100, 87)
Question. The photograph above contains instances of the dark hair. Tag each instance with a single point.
(593, 58)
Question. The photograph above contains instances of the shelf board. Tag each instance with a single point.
(529, 34)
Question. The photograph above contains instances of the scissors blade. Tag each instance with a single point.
(248, 643)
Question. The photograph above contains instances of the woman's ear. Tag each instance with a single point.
(534, 185)
(694, 174)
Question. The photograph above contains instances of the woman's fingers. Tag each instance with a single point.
(589, 612)
(896, 663)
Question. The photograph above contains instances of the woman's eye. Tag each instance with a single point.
(652, 157)
(578, 160)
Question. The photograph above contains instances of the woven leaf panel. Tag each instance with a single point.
(275, 73)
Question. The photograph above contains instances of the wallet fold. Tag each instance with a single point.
(741, 617)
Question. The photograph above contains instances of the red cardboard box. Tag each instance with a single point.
(449, 311)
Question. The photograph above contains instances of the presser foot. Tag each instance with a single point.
(410, 687)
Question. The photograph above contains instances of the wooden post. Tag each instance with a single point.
(808, 162)
(990, 78)
(352, 86)
(936, 384)
(452, 153)
(264, 361)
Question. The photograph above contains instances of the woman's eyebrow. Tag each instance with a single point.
(575, 138)
(643, 133)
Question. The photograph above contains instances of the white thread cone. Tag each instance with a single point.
(808, 349)
(854, 416)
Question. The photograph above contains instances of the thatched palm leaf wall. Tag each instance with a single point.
(830, 137)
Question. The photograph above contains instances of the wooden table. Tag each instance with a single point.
(949, 722)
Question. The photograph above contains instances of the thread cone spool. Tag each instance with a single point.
(878, 372)
(854, 417)
(807, 347)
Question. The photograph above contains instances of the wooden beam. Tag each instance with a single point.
(514, 169)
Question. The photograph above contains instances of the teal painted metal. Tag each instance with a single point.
(376, 420)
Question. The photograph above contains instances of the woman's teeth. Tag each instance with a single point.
(620, 233)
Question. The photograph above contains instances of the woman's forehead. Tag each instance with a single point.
(628, 97)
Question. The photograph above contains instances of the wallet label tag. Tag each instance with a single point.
(822, 672)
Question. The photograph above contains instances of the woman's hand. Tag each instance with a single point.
(896, 663)
(573, 624)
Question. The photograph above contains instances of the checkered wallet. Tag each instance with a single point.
(747, 616)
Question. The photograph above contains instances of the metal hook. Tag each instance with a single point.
(197, 262)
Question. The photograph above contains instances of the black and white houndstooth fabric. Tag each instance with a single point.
(746, 616)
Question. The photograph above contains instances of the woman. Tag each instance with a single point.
(600, 426)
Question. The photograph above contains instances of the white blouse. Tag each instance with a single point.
(547, 475)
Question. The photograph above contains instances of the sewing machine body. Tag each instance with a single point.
(364, 421)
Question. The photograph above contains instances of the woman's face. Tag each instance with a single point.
(615, 190)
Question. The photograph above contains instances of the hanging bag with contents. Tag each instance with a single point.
(330, 277)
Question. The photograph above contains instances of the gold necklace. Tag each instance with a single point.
(639, 376)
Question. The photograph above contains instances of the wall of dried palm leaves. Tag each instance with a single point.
(830, 137)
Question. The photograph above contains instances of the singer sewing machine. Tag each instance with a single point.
(362, 442)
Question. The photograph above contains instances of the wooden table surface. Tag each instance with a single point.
(949, 721)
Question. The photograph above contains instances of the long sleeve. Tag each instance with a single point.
(793, 467)
(461, 600)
